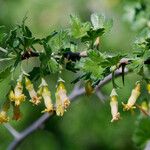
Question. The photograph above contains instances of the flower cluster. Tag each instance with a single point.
(131, 103)
(17, 97)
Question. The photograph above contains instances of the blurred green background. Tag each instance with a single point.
(86, 125)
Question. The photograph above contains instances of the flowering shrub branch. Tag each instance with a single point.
(77, 91)
(26, 60)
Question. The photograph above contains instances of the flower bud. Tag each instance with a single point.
(88, 87)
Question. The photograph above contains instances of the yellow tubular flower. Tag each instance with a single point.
(16, 95)
(114, 106)
(133, 98)
(35, 99)
(62, 100)
(3, 114)
(3, 117)
(148, 88)
(59, 105)
(46, 94)
(12, 96)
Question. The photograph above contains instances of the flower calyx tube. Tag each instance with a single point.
(114, 105)
(35, 98)
(88, 87)
(17, 95)
(62, 100)
(133, 98)
(46, 94)
(3, 113)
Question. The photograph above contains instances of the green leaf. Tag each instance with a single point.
(136, 65)
(112, 60)
(79, 29)
(50, 36)
(93, 34)
(2, 33)
(16, 43)
(5, 85)
(11, 37)
(99, 22)
(6, 64)
(53, 65)
(91, 67)
(96, 56)
(60, 41)
(27, 32)
(28, 41)
(29, 64)
(5, 73)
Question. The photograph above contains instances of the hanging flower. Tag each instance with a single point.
(16, 112)
(148, 88)
(62, 100)
(17, 96)
(133, 98)
(3, 114)
(88, 87)
(46, 94)
(35, 99)
(114, 106)
(3, 117)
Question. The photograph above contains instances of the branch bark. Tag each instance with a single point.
(77, 91)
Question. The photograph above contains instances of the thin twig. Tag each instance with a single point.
(14, 133)
(77, 91)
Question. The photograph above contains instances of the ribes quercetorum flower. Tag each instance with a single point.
(46, 94)
(17, 95)
(62, 100)
(3, 113)
(3, 117)
(133, 98)
(114, 105)
(35, 98)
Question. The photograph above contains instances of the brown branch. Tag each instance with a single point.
(77, 91)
